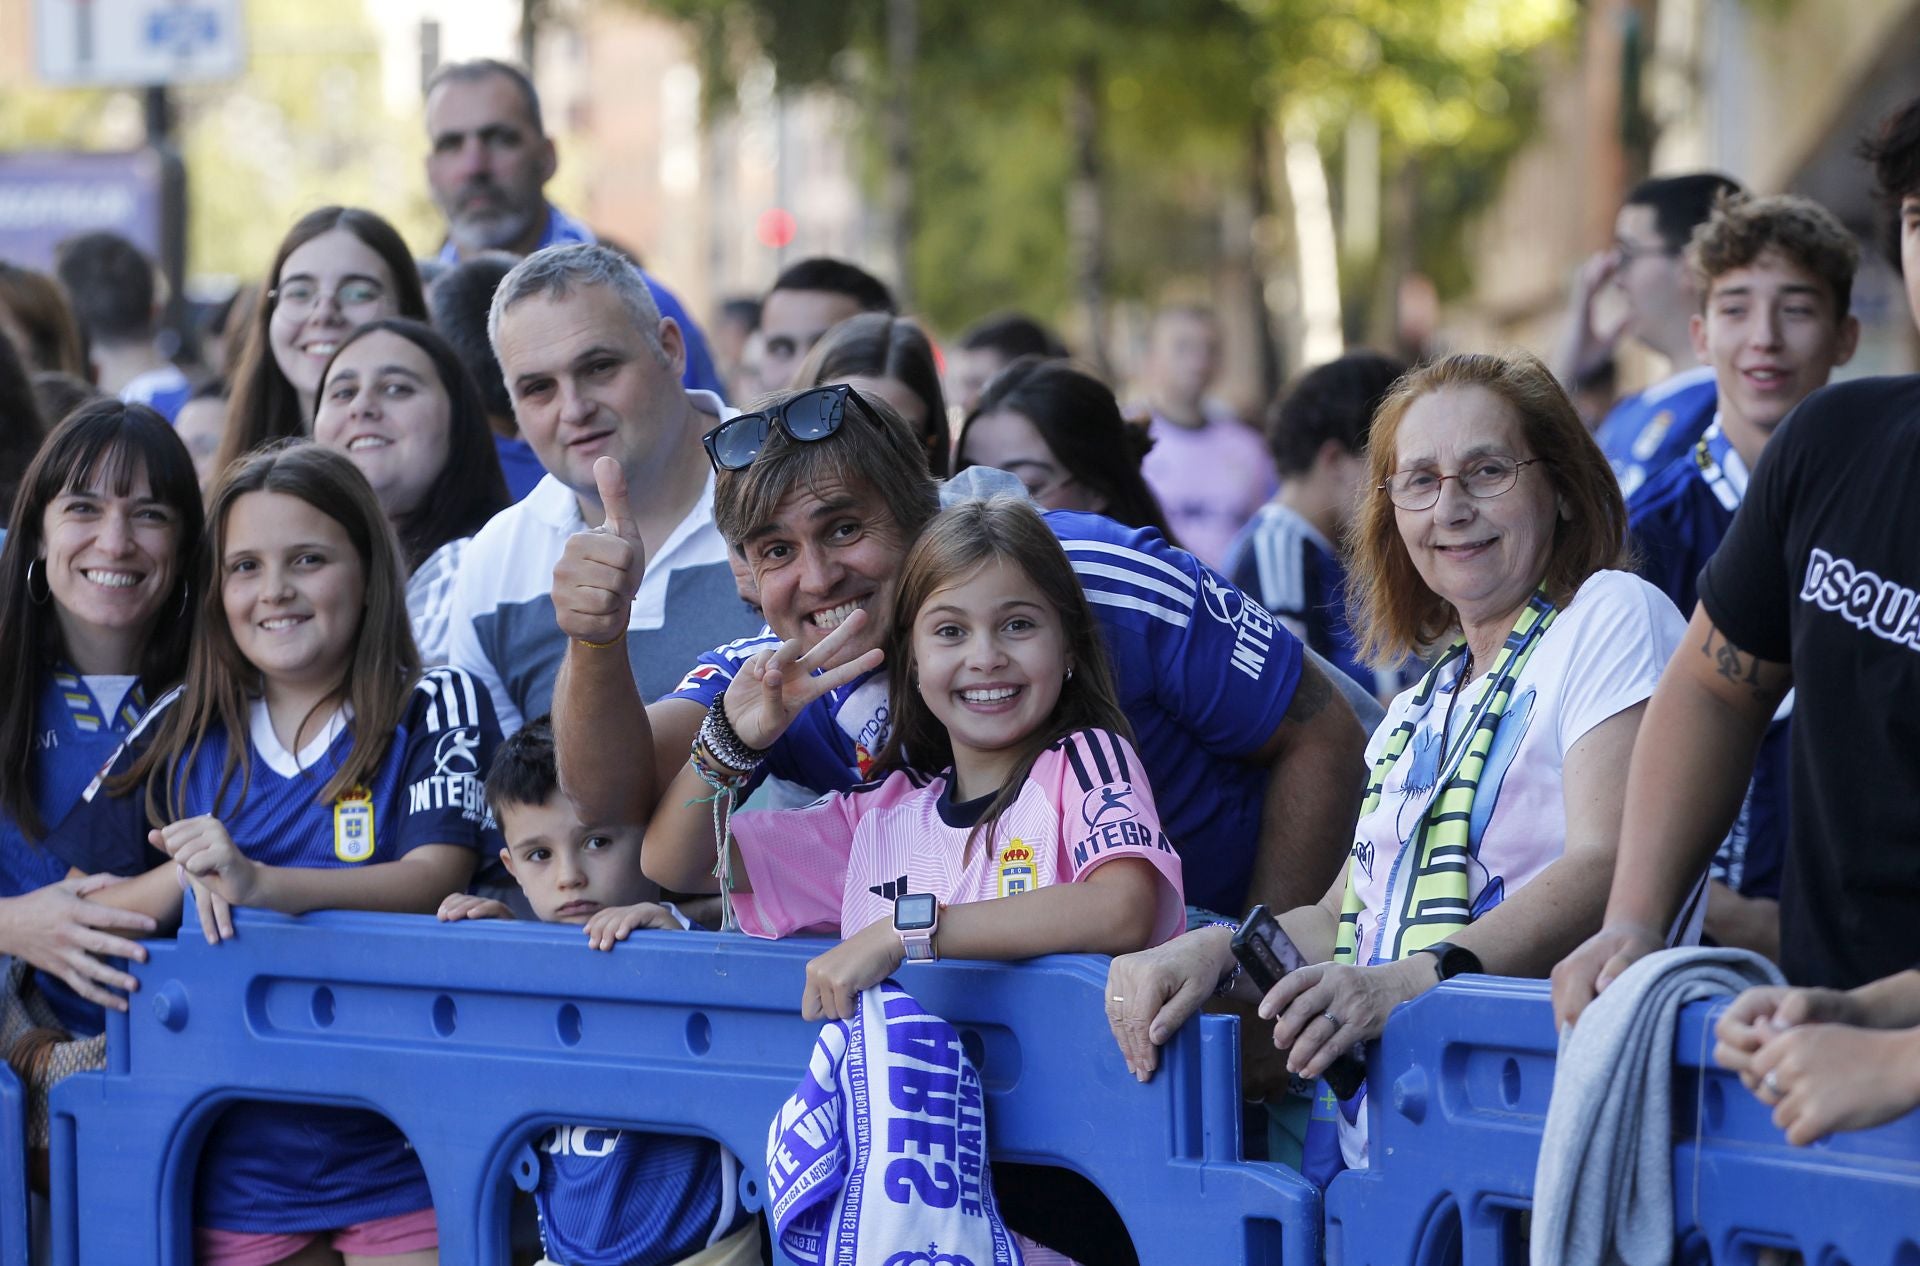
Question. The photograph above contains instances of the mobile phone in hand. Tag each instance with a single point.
(1263, 950)
(1266, 953)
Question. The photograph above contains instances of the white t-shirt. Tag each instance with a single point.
(1603, 654)
(501, 622)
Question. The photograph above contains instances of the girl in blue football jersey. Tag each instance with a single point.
(305, 764)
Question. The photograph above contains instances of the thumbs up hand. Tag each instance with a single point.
(600, 569)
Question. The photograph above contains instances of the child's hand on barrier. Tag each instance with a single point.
(209, 856)
(464, 905)
(608, 927)
(215, 911)
(835, 978)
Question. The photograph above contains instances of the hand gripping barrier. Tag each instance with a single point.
(472, 1037)
(1459, 1089)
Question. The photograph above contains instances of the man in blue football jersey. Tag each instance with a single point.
(1254, 758)
(1776, 276)
(1646, 431)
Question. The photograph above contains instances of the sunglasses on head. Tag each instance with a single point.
(809, 416)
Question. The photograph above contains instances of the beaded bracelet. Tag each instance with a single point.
(724, 746)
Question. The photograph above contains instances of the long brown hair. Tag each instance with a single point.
(384, 662)
(1392, 608)
(958, 542)
(264, 406)
(115, 443)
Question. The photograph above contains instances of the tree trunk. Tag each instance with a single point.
(1086, 210)
(903, 54)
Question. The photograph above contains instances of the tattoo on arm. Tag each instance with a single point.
(1734, 664)
(1310, 696)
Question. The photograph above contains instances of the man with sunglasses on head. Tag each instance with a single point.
(1254, 757)
(1645, 432)
(594, 374)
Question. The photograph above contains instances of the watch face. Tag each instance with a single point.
(915, 911)
(1456, 961)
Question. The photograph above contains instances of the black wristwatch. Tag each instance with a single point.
(1452, 960)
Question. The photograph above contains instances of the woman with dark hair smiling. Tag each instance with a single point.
(96, 616)
(337, 268)
(1060, 430)
(397, 401)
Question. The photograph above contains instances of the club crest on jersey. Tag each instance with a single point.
(1647, 443)
(353, 825)
(704, 672)
(1016, 868)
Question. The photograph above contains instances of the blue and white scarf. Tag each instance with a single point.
(880, 1156)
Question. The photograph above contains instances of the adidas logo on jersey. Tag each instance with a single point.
(891, 890)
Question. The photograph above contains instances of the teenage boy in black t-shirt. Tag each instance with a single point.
(1814, 588)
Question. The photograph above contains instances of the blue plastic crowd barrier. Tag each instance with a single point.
(1459, 1088)
(15, 1242)
(472, 1038)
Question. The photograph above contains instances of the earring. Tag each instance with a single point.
(186, 599)
(46, 587)
(1069, 672)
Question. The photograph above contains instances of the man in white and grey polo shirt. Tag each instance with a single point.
(593, 370)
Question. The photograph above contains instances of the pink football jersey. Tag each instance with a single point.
(840, 861)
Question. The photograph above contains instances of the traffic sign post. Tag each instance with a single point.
(126, 43)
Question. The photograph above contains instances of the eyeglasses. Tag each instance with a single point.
(1487, 477)
(299, 297)
(807, 417)
(1630, 251)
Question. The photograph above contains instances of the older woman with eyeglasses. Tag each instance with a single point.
(1487, 834)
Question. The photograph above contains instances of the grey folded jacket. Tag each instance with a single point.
(1603, 1192)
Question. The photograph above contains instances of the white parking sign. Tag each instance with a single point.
(126, 42)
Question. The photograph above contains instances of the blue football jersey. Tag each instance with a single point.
(1298, 575)
(1203, 672)
(74, 735)
(611, 1197)
(283, 1167)
(1677, 520)
(1645, 433)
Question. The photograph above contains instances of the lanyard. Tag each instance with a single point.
(1715, 457)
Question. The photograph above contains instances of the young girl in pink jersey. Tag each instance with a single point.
(998, 677)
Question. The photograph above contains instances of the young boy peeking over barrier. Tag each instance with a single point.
(605, 1194)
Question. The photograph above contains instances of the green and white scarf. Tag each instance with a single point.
(1436, 901)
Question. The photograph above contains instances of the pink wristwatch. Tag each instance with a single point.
(916, 917)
